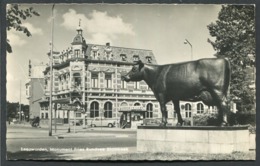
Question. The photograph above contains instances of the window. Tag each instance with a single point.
(187, 110)
(123, 57)
(149, 109)
(42, 116)
(108, 110)
(78, 115)
(94, 80)
(136, 85)
(200, 108)
(94, 109)
(123, 84)
(137, 104)
(46, 115)
(77, 54)
(136, 58)
(149, 59)
(108, 80)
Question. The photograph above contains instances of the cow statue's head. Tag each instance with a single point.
(135, 74)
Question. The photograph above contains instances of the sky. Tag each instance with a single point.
(160, 28)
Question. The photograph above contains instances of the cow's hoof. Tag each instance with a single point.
(162, 125)
(223, 124)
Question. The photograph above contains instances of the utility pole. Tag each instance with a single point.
(51, 73)
(20, 112)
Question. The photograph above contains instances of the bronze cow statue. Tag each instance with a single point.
(205, 80)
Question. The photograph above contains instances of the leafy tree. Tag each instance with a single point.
(234, 38)
(14, 17)
(12, 109)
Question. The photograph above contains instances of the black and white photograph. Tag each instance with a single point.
(132, 82)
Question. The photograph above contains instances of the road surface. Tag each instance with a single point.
(24, 142)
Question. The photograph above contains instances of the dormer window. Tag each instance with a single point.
(76, 53)
(94, 53)
(149, 59)
(123, 57)
(136, 58)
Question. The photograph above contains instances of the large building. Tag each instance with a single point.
(35, 88)
(90, 75)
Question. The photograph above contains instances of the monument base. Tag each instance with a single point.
(208, 140)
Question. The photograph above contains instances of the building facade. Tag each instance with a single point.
(90, 75)
(35, 88)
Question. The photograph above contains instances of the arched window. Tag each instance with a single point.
(124, 106)
(108, 110)
(200, 108)
(149, 109)
(94, 109)
(137, 104)
(188, 110)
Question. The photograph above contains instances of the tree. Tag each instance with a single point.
(14, 17)
(12, 109)
(234, 38)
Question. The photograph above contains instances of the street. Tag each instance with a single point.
(25, 142)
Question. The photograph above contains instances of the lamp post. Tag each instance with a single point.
(187, 42)
(51, 75)
(192, 108)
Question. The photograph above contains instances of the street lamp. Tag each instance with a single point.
(187, 42)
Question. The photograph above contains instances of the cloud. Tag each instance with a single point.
(34, 30)
(15, 39)
(99, 25)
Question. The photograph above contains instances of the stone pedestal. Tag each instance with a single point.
(208, 140)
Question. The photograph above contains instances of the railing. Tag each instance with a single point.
(128, 108)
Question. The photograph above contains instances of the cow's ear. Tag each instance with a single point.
(141, 64)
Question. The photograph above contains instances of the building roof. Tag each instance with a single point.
(118, 52)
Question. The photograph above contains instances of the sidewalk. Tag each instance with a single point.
(77, 128)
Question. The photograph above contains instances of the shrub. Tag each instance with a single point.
(246, 118)
(205, 120)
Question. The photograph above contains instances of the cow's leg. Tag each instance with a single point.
(177, 110)
(164, 117)
(221, 103)
(163, 109)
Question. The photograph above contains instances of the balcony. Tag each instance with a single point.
(132, 108)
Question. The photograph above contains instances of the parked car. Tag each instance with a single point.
(103, 122)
